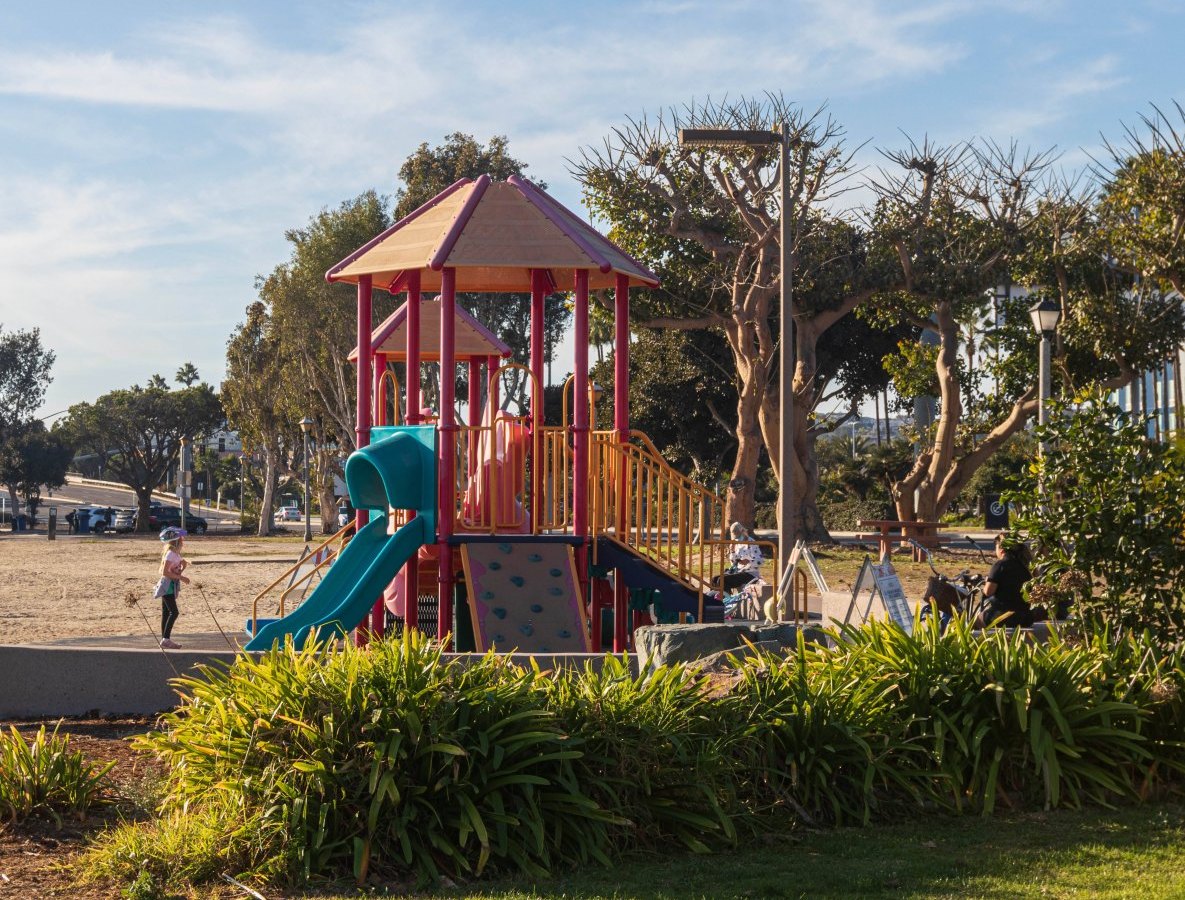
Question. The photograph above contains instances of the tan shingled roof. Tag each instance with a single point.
(492, 234)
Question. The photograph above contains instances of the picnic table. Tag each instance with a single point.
(890, 530)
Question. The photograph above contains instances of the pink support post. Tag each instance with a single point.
(474, 413)
(379, 417)
(362, 414)
(538, 294)
(494, 399)
(580, 523)
(412, 376)
(448, 428)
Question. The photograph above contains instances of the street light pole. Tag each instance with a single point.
(723, 138)
(1045, 315)
(306, 426)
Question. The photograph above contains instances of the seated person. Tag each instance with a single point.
(1006, 605)
(744, 558)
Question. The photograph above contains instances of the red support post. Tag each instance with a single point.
(448, 428)
(411, 570)
(621, 423)
(580, 523)
(412, 375)
(362, 409)
(621, 358)
(538, 295)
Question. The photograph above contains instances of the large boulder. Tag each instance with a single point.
(660, 645)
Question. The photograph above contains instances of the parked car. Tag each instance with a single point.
(96, 519)
(161, 516)
(288, 514)
(345, 515)
(124, 521)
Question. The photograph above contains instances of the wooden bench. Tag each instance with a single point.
(890, 531)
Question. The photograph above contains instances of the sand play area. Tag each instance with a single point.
(77, 586)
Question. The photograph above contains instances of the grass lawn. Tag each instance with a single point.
(1136, 852)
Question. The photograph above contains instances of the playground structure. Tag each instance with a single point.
(521, 535)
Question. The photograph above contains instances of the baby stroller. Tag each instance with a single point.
(740, 591)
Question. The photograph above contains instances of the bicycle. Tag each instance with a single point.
(949, 595)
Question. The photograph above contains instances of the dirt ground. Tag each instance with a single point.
(78, 586)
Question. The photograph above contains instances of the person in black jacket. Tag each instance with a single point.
(1006, 603)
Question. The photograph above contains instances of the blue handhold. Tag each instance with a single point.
(487, 595)
(535, 557)
(556, 592)
(565, 633)
(499, 612)
(527, 629)
(517, 580)
(506, 548)
(536, 608)
(556, 573)
(495, 565)
(498, 639)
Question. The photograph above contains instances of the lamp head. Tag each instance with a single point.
(306, 425)
(1045, 315)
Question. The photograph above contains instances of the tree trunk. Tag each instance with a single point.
(808, 523)
(268, 497)
(143, 505)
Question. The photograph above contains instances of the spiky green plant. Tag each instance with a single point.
(44, 776)
(392, 758)
(655, 752)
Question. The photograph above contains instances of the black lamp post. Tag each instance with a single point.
(306, 426)
(722, 138)
(1045, 315)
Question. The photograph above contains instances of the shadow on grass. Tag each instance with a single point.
(1130, 852)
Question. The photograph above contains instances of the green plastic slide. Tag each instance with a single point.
(398, 472)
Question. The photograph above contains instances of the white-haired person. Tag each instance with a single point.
(744, 558)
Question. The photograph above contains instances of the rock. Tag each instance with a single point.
(659, 645)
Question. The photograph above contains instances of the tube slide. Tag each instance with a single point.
(398, 472)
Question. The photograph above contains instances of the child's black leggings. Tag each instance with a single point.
(168, 614)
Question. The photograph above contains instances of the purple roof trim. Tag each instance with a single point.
(556, 217)
(436, 263)
(414, 214)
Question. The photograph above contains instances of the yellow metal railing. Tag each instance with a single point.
(639, 500)
(327, 550)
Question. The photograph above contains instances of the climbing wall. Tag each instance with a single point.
(524, 595)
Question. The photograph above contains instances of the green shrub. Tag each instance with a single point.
(396, 761)
(389, 759)
(47, 777)
(654, 753)
(820, 737)
(1002, 715)
(1116, 514)
(842, 515)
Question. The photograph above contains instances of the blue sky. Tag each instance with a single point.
(152, 154)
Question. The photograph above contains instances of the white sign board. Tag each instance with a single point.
(893, 595)
(880, 580)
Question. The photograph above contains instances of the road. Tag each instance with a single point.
(75, 494)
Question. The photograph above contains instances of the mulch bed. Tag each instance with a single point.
(35, 855)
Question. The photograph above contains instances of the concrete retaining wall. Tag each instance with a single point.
(41, 681)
